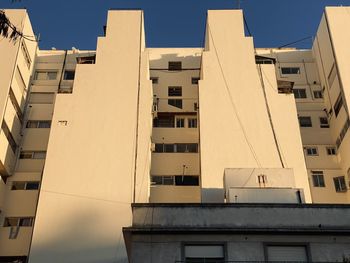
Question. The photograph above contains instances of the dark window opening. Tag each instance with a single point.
(69, 74)
(338, 104)
(175, 65)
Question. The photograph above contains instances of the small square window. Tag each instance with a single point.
(339, 184)
(324, 122)
(174, 65)
(174, 91)
(195, 80)
(299, 93)
(311, 151)
(69, 74)
(154, 80)
(180, 122)
(51, 75)
(318, 94)
(318, 179)
(305, 121)
(331, 150)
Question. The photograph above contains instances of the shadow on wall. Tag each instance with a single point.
(77, 240)
(160, 61)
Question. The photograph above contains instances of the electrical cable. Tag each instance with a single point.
(233, 104)
(294, 42)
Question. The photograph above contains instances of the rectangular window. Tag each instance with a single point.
(175, 65)
(45, 75)
(195, 80)
(41, 97)
(32, 155)
(338, 104)
(290, 70)
(154, 80)
(311, 151)
(318, 94)
(332, 74)
(174, 91)
(180, 122)
(175, 102)
(331, 151)
(299, 93)
(339, 184)
(192, 123)
(9, 137)
(281, 253)
(324, 122)
(86, 59)
(305, 121)
(26, 54)
(25, 185)
(204, 253)
(183, 180)
(318, 179)
(38, 124)
(176, 148)
(69, 75)
(18, 221)
(164, 121)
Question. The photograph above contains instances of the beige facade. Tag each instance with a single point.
(100, 130)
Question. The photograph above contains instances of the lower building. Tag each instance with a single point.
(238, 233)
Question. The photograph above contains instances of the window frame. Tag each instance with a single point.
(192, 123)
(338, 104)
(287, 244)
(299, 93)
(331, 150)
(317, 97)
(154, 80)
(203, 243)
(324, 124)
(25, 185)
(290, 70)
(342, 186)
(67, 72)
(195, 80)
(317, 175)
(47, 74)
(305, 125)
(306, 148)
(174, 65)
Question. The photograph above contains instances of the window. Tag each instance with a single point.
(26, 54)
(318, 179)
(195, 80)
(318, 94)
(331, 76)
(9, 136)
(292, 70)
(41, 97)
(299, 93)
(38, 124)
(18, 221)
(174, 65)
(176, 148)
(338, 104)
(331, 150)
(175, 102)
(192, 123)
(45, 75)
(204, 253)
(281, 253)
(25, 185)
(311, 151)
(183, 180)
(164, 122)
(180, 122)
(86, 59)
(339, 184)
(154, 80)
(69, 74)
(305, 121)
(324, 122)
(32, 155)
(174, 91)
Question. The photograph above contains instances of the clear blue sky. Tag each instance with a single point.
(172, 23)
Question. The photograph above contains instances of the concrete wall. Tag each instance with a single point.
(235, 128)
(88, 181)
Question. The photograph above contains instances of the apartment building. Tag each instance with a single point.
(224, 123)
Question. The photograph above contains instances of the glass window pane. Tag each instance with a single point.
(32, 186)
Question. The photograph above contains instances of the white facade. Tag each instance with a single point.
(129, 124)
